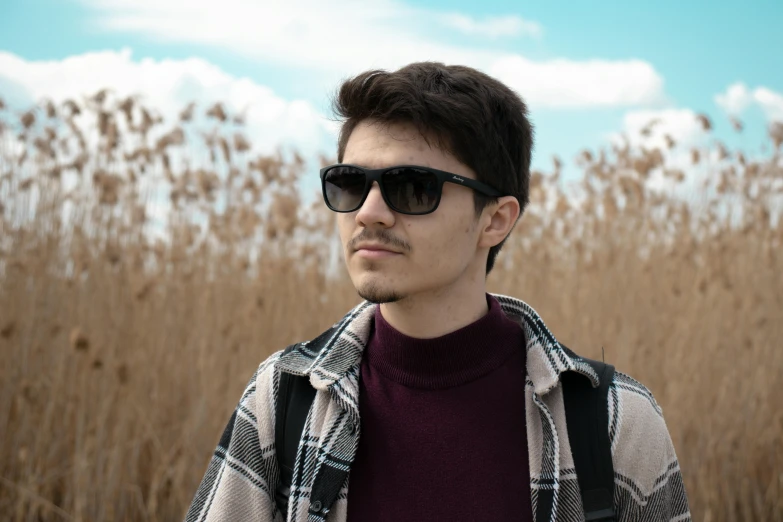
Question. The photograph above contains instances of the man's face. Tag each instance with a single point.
(433, 251)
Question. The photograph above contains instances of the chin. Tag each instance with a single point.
(377, 293)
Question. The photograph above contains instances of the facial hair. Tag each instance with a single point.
(376, 295)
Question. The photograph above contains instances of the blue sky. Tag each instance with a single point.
(619, 61)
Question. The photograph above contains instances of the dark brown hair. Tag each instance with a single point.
(476, 118)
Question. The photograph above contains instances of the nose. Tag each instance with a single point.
(374, 210)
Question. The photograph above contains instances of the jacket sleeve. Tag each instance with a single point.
(648, 480)
(241, 477)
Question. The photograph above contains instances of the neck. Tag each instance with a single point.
(438, 312)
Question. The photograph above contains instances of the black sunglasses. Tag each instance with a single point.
(407, 189)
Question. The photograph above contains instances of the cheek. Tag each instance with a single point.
(446, 243)
(345, 228)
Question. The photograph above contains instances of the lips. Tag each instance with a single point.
(375, 248)
(374, 252)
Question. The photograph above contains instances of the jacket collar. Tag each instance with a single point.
(332, 359)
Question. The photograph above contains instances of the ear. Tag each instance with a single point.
(497, 220)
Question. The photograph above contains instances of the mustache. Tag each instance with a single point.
(381, 237)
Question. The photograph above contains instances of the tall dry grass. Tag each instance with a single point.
(123, 353)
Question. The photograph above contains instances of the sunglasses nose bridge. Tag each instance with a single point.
(374, 190)
(374, 208)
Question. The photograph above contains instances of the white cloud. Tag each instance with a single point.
(493, 26)
(168, 85)
(681, 125)
(566, 83)
(331, 40)
(737, 98)
(651, 129)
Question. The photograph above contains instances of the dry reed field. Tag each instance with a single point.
(127, 333)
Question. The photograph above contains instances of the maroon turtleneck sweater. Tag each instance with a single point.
(443, 425)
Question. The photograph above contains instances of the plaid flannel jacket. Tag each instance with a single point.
(241, 478)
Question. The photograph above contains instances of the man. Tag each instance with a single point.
(434, 399)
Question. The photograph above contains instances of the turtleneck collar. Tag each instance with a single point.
(451, 360)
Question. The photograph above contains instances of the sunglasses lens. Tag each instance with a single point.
(411, 190)
(344, 188)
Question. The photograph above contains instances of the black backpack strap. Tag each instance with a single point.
(295, 395)
(587, 420)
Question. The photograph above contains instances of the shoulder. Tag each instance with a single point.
(644, 458)
(267, 369)
(257, 400)
(295, 358)
(635, 394)
(635, 421)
